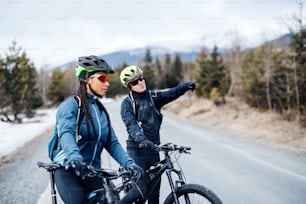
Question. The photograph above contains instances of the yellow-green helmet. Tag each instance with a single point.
(130, 73)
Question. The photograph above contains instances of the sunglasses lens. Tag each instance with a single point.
(103, 78)
(135, 82)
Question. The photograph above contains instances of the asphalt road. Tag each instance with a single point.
(237, 171)
(21, 181)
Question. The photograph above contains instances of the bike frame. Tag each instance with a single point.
(167, 166)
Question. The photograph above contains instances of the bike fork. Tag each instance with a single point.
(173, 189)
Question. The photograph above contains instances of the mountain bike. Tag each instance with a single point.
(180, 191)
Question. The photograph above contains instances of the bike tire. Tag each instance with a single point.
(196, 194)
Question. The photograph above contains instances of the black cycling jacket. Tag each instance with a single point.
(146, 114)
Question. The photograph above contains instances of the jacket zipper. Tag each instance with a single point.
(99, 129)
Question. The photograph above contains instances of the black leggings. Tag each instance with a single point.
(72, 189)
(145, 159)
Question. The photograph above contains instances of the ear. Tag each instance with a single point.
(88, 80)
(83, 81)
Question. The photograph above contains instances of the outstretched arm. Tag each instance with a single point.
(164, 97)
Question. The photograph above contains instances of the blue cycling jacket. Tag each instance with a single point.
(145, 113)
(89, 144)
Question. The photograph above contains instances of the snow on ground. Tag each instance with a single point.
(13, 136)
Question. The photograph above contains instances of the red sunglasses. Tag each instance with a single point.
(103, 77)
(135, 82)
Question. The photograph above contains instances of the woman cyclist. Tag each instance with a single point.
(140, 112)
(95, 133)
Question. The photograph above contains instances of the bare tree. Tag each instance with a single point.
(233, 58)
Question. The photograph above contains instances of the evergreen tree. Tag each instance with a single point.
(21, 78)
(203, 77)
(70, 82)
(282, 83)
(220, 75)
(55, 93)
(254, 83)
(158, 73)
(148, 71)
(299, 47)
(5, 98)
(116, 87)
(166, 75)
(212, 74)
(176, 71)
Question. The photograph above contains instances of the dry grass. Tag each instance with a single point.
(261, 127)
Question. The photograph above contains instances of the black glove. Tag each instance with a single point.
(147, 144)
(137, 171)
(191, 85)
(77, 164)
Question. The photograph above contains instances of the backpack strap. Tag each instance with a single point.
(133, 102)
(151, 97)
(131, 97)
(80, 115)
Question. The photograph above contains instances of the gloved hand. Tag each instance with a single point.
(136, 170)
(77, 164)
(191, 85)
(147, 144)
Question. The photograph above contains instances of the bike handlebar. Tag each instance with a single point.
(109, 173)
(170, 147)
(91, 171)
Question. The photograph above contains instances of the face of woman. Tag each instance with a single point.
(98, 83)
(138, 85)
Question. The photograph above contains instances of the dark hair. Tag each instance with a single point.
(82, 94)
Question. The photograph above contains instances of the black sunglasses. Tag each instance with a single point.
(135, 82)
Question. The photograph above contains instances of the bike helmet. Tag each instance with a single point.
(128, 74)
(88, 65)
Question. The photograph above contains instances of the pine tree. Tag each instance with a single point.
(55, 94)
(116, 87)
(158, 72)
(177, 71)
(203, 77)
(21, 86)
(5, 98)
(166, 72)
(212, 74)
(148, 71)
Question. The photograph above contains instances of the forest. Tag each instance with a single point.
(270, 77)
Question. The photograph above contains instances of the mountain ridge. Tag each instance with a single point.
(136, 55)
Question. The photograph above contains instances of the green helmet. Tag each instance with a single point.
(88, 65)
(128, 74)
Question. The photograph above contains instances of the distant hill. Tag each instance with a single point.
(283, 41)
(135, 56)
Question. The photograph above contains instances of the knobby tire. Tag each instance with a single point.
(196, 194)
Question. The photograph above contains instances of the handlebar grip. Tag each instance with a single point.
(141, 146)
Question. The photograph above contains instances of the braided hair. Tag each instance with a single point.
(82, 93)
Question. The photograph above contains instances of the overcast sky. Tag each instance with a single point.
(53, 32)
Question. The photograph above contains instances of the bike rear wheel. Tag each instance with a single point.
(193, 193)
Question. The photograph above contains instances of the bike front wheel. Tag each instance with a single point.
(193, 193)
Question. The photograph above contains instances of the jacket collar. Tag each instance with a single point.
(91, 98)
(140, 95)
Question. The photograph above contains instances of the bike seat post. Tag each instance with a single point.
(53, 191)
